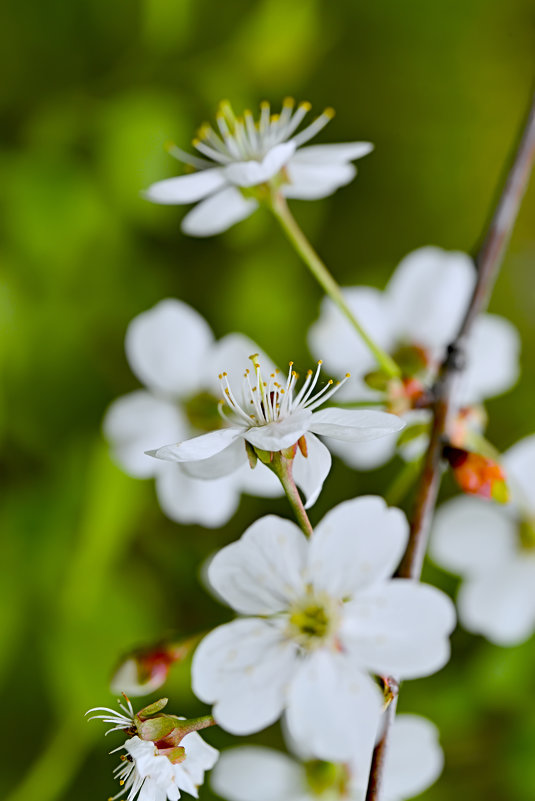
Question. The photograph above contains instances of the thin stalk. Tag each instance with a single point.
(282, 467)
(488, 261)
(280, 209)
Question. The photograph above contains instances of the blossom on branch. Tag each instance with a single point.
(493, 548)
(244, 160)
(173, 352)
(414, 319)
(268, 413)
(414, 761)
(164, 754)
(322, 617)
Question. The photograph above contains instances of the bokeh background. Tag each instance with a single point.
(91, 92)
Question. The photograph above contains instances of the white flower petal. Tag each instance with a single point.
(220, 464)
(399, 628)
(501, 604)
(333, 708)
(200, 756)
(357, 543)
(414, 758)
(166, 345)
(251, 173)
(218, 212)
(428, 295)
(332, 154)
(262, 572)
(138, 422)
(260, 481)
(355, 425)
(280, 434)
(314, 181)
(333, 338)
(253, 773)
(189, 500)
(244, 668)
(198, 448)
(492, 353)
(519, 464)
(186, 188)
(365, 455)
(311, 471)
(472, 536)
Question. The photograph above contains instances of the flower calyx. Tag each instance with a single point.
(166, 731)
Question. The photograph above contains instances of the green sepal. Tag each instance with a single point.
(176, 755)
(266, 457)
(152, 709)
(378, 380)
(251, 455)
(156, 728)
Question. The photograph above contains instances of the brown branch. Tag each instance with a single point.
(488, 261)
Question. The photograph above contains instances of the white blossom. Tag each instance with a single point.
(420, 309)
(243, 154)
(149, 773)
(322, 615)
(414, 761)
(173, 352)
(273, 416)
(493, 548)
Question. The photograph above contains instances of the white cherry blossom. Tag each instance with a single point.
(321, 616)
(271, 414)
(420, 309)
(173, 352)
(243, 154)
(152, 774)
(493, 548)
(252, 773)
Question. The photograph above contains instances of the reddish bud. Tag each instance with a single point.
(477, 474)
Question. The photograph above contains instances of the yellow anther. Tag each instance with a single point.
(320, 361)
(275, 117)
(220, 376)
(282, 391)
(288, 102)
(348, 375)
(121, 782)
(330, 381)
(306, 106)
(225, 374)
(204, 130)
(291, 364)
(294, 373)
(329, 112)
(195, 142)
(264, 104)
(272, 375)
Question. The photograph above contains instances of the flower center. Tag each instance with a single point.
(312, 620)
(327, 779)
(201, 411)
(267, 400)
(246, 139)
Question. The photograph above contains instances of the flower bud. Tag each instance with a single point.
(477, 474)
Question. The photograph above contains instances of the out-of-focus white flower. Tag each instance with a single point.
(415, 319)
(273, 416)
(244, 154)
(414, 761)
(172, 351)
(493, 548)
(323, 616)
(156, 773)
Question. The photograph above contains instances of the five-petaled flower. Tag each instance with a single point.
(155, 769)
(273, 416)
(173, 352)
(415, 319)
(244, 155)
(414, 760)
(493, 548)
(322, 615)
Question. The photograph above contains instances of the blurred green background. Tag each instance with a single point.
(91, 92)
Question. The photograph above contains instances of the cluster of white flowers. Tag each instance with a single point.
(323, 623)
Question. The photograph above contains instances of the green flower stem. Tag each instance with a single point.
(403, 482)
(320, 272)
(282, 467)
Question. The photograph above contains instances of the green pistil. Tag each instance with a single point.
(327, 778)
(311, 621)
(526, 534)
(201, 411)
